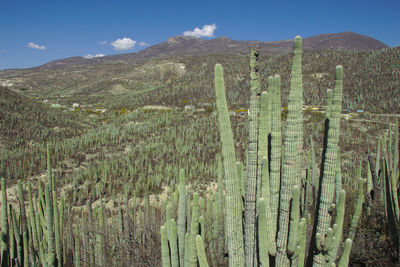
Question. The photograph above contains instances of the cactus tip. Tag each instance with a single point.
(297, 42)
(339, 72)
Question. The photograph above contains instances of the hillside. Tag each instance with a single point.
(25, 121)
(180, 69)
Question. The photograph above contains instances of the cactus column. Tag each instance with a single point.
(232, 191)
(276, 152)
(182, 217)
(291, 154)
(327, 190)
(4, 238)
(251, 179)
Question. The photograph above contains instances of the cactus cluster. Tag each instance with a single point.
(183, 242)
(277, 198)
(35, 237)
(383, 181)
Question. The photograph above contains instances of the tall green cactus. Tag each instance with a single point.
(390, 162)
(194, 230)
(182, 217)
(166, 261)
(327, 190)
(4, 238)
(276, 153)
(32, 217)
(201, 251)
(337, 238)
(252, 163)
(291, 154)
(232, 189)
(277, 186)
(23, 221)
(57, 235)
(51, 256)
(263, 237)
(173, 243)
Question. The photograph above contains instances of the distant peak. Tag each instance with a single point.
(176, 39)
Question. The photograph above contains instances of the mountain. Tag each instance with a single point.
(188, 46)
(184, 45)
(180, 70)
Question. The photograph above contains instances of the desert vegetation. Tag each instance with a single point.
(300, 179)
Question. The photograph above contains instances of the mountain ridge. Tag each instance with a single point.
(188, 46)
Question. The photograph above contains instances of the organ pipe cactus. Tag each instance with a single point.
(4, 238)
(57, 234)
(181, 217)
(30, 235)
(51, 256)
(173, 242)
(252, 163)
(166, 261)
(281, 230)
(201, 251)
(276, 153)
(24, 227)
(390, 163)
(291, 155)
(233, 203)
(263, 239)
(32, 219)
(327, 190)
(284, 183)
(194, 230)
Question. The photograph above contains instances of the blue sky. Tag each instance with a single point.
(35, 32)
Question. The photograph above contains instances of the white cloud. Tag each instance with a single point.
(206, 31)
(103, 43)
(123, 44)
(143, 44)
(35, 46)
(93, 56)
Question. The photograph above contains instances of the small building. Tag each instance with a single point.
(190, 108)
